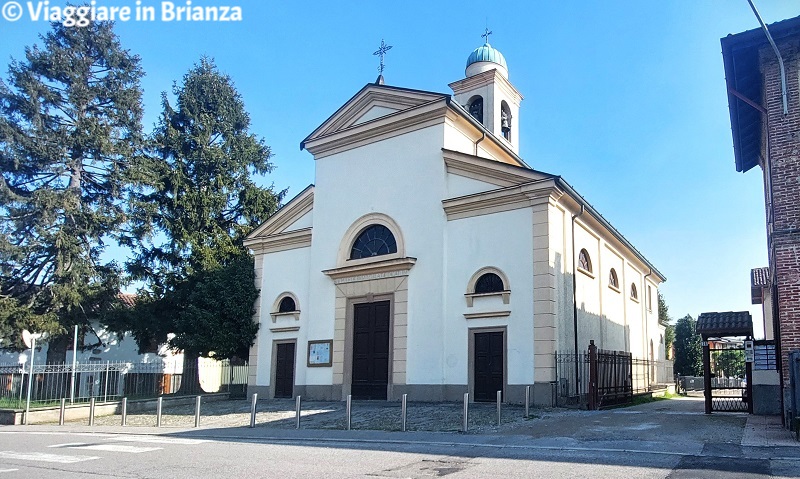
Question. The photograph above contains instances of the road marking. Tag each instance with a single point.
(157, 440)
(119, 448)
(8, 470)
(153, 439)
(68, 444)
(42, 457)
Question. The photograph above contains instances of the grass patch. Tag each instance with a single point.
(14, 403)
(643, 399)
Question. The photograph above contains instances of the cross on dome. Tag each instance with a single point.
(486, 35)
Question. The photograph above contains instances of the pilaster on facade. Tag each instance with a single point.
(544, 296)
(253, 357)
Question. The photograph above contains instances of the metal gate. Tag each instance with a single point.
(610, 377)
(728, 377)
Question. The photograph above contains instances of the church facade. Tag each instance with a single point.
(429, 259)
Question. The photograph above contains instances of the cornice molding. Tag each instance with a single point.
(390, 267)
(487, 170)
(287, 329)
(504, 199)
(400, 99)
(280, 241)
(379, 129)
(470, 297)
(294, 210)
(484, 79)
(487, 314)
(287, 314)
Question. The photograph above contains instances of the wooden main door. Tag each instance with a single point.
(284, 370)
(489, 365)
(370, 350)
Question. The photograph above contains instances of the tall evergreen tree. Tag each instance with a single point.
(193, 210)
(688, 348)
(70, 128)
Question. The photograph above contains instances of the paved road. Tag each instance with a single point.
(667, 439)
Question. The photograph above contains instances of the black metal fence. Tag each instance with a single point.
(611, 378)
(110, 381)
(572, 372)
(619, 376)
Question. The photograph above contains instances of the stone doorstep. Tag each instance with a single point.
(81, 411)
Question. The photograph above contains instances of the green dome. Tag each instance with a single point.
(486, 53)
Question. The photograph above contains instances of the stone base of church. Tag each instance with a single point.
(319, 392)
(430, 392)
(544, 394)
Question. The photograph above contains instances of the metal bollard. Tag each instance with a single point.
(197, 411)
(404, 410)
(499, 399)
(124, 411)
(297, 412)
(465, 422)
(62, 411)
(349, 410)
(527, 402)
(158, 410)
(91, 412)
(253, 410)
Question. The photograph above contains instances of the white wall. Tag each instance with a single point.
(503, 241)
(403, 178)
(283, 271)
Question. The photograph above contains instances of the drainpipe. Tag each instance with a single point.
(483, 137)
(649, 300)
(778, 54)
(771, 224)
(575, 303)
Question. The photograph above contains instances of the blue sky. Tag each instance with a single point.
(625, 100)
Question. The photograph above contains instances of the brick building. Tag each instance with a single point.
(765, 120)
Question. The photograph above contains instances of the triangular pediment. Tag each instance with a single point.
(371, 103)
(376, 111)
(291, 216)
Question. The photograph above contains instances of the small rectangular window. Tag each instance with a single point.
(649, 299)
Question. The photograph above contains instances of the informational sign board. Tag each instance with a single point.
(319, 353)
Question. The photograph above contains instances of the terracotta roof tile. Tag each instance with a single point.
(128, 299)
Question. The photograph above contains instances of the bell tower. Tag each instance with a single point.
(487, 94)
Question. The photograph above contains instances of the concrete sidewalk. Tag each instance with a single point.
(767, 431)
(675, 426)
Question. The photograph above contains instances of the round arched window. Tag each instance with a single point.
(287, 305)
(476, 108)
(489, 283)
(634, 292)
(613, 281)
(584, 261)
(375, 240)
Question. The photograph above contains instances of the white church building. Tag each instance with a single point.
(430, 259)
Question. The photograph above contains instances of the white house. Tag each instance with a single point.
(430, 259)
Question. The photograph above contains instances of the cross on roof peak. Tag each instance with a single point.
(381, 52)
(486, 35)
